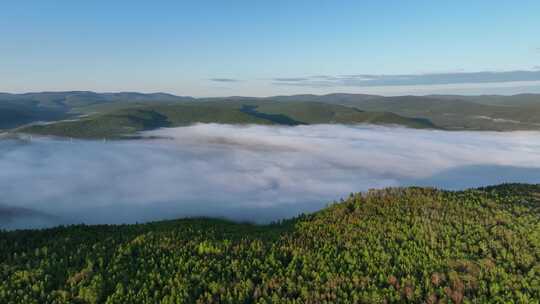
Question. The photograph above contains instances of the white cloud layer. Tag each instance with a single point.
(254, 173)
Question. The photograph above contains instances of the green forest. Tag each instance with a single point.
(126, 122)
(396, 245)
(84, 114)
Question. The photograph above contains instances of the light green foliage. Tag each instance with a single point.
(126, 121)
(388, 246)
(453, 112)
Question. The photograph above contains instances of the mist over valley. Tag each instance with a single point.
(245, 173)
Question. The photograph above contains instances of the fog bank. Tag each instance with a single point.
(254, 173)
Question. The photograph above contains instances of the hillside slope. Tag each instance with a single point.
(127, 121)
(519, 100)
(69, 100)
(20, 109)
(452, 112)
(14, 115)
(389, 246)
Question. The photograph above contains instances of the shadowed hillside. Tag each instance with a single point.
(116, 123)
(114, 113)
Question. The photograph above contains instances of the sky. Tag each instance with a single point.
(262, 48)
(249, 173)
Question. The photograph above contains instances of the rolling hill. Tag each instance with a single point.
(399, 245)
(111, 114)
(21, 109)
(128, 121)
(13, 116)
(519, 100)
(498, 113)
(70, 100)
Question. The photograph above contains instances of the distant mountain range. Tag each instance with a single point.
(114, 114)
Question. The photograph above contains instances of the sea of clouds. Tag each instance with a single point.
(248, 173)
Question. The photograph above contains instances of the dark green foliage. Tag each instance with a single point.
(500, 113)
(21, 109)
(105, 126)
(388, 246)
(126, 121)
(12, 116)
(452, 112)
(277, 118)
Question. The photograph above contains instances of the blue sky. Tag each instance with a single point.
(215, 48)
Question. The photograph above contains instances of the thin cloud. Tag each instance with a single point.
(372, 80)
(254, 173)
(224, 80)
(323, 77)
(291, 79)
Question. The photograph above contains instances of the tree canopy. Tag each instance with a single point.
(387, 246)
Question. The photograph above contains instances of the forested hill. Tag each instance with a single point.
(389, 246)
(110, 114)
(130, 119)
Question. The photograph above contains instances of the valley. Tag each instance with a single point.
(115, 115)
